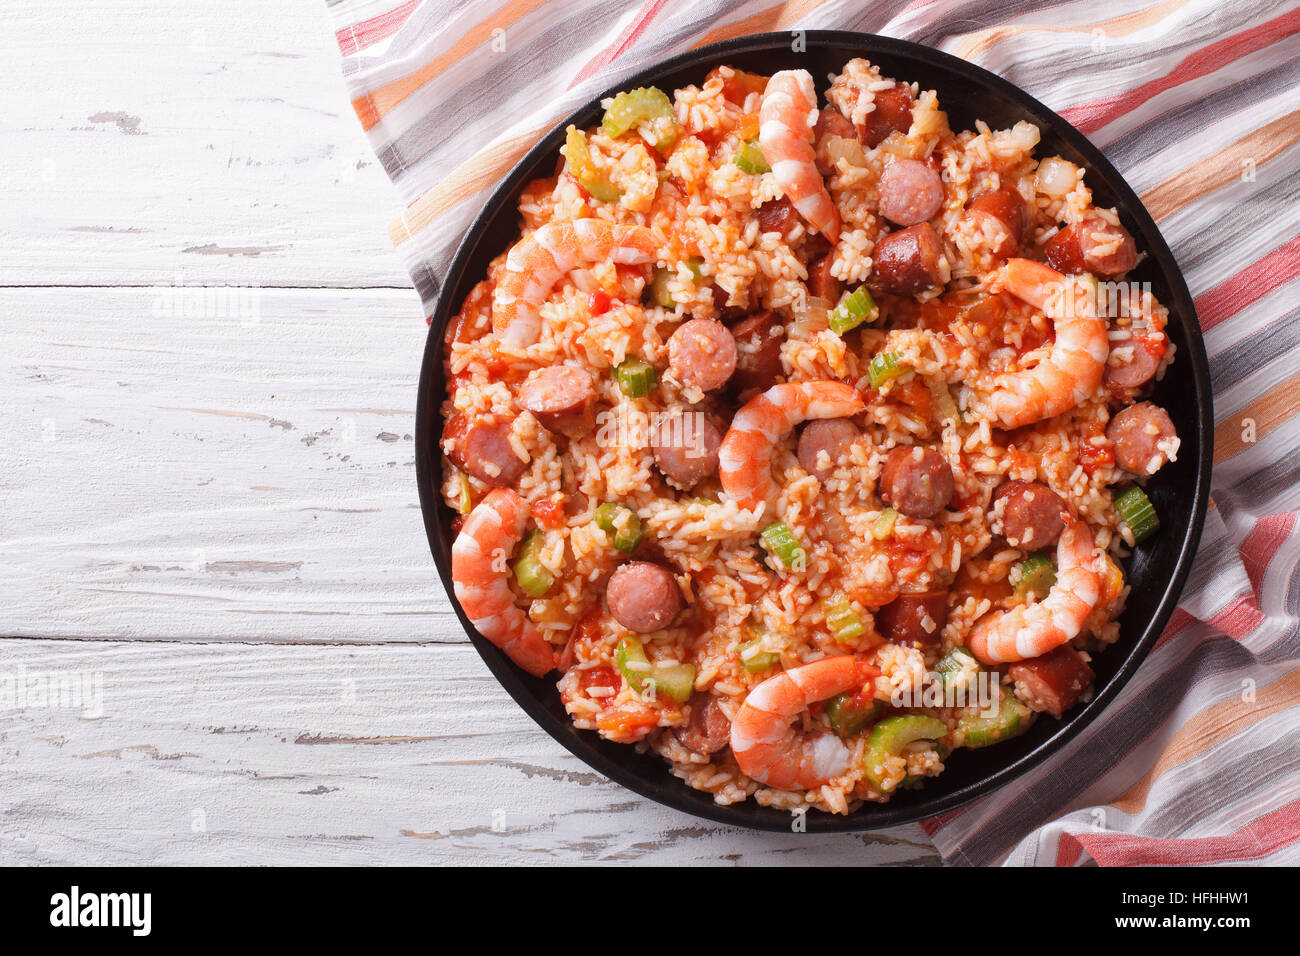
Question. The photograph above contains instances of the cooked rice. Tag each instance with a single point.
(705, 209)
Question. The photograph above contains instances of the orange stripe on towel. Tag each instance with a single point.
(778, 17)
(375, 105)
(1224, 167)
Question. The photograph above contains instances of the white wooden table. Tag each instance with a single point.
(210, 545)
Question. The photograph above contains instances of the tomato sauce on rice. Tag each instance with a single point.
(921, 476)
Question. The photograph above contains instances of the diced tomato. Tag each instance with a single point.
(1020, 460)
(709, 136)
(627, 721)
(872, 596)
(602, 676)
(600, 302)
(456, 429)
(1156, 348)
(985, 315)
(582, 638)
(498, 367)
(989, 311)
(588, 627)
(903, 555)
(739, 85)
(631, 279)
(937, 315)
(1091, 457)
(748, 128)
(1035, 338)
(861, 700)
(968, 585)
(864, 699)
(549, 513)
(916, 394)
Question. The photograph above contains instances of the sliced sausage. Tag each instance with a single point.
(917, 481)
(815, 246)
(1064, 252)
(1093, 245)
(914, 619)
(708, 730)
(910, 192)
(702, 353)
(562, 398)
(1132, 363)
(1006, 209)
(778, 215)
(758, 351)
(893, 114)
(1052, 682)
(685, 446)
(576, 503)
(1030, 513)
(830, 435)
(643, 597)
(830, 123)
(1108, 250)
(727, 313)
(907, 261)
(1143, 435)
(483, 450)
(821, 283)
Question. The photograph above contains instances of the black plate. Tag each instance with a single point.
(1180, 494)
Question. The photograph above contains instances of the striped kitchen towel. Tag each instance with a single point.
(1198, 761)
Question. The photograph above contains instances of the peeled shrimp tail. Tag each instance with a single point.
(763, 740)
(538, 261)
(785, 135)
(1034, 629)
(479, 569)
(745, 456)
(1073, 369)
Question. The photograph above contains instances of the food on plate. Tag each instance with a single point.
(802, 439)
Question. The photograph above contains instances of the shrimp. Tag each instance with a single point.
(1073, 369)
(764, 741)
(745, 456)
(538, 261)
(478, 573)
(785, 135)
(1032, 630)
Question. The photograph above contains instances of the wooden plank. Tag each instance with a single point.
(192, 458)
(237, 754)
(242, 474)
(144, 140)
